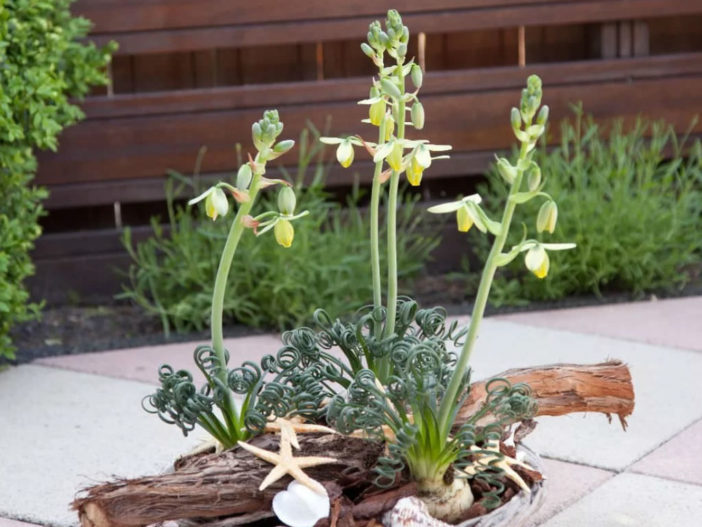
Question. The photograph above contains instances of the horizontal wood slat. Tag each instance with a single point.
(140, 146)
(115, 16)
(445, 21)
(351, 90)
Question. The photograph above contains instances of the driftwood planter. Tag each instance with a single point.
(224, 485)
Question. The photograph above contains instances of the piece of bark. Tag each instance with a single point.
(561, 389)
(220, 484)
(226, 484)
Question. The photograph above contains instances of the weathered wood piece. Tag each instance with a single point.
(226, 484)
(568, 388)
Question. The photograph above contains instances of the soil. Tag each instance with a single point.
(79, 329)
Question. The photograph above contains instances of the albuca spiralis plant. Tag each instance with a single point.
(403, 371)
(178, 401)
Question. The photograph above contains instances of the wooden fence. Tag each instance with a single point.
(198, 72)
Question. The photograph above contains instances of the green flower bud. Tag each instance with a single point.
(390, 88)
(284, 233)
(416, 75)
(286, 200)
(547, 217)
(542, 117)
(243, 177)
(463, 219)
(377, 112)
(216, 203)
(533, 177)
(283, 146)
(402, 49)
(516, 119)
(345, 153)
(506, 170)
(418, 115)
(367, 50)
(257, 135)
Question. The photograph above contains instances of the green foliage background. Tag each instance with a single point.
(328, 266)
(43, 64)
(630, 198)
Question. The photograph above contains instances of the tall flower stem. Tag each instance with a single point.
(228, 407)
(375, 220)
(449, 401)
(392, 216)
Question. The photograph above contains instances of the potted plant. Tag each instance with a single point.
(373, 415)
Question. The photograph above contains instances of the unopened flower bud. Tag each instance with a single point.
(506, 170)
(283, 146)
(417, 75)
(390, 88)
(376, 112)
(286, 200)
(401, 49)
(418, 115)
(547, 217)
(542, 117)
(284, 232)
(367, 50)
(216, 203)
(257, 135)
(344, 153)
(463, 219)
(533, 177)
(516, 119)
(243, 177)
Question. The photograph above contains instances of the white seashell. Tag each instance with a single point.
(300, 506)
(411, 512)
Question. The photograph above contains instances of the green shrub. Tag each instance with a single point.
(630, 201)
(328, 265)
(43, 64)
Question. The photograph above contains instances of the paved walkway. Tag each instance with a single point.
(68, 422)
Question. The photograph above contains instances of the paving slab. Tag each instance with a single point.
(68, 430)
(680, 458)
(666, 382)
(7, 522)
(565, 484)
(635, 500)
(671, 323)
(141, 364)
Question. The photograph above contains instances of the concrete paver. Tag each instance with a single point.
(565, 484)
(6, 522)
(671, 322)
(635, 500)
(141, 364)
(680, 458)
(70, 430)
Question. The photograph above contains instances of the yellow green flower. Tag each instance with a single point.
(463, 219)
(284, 232)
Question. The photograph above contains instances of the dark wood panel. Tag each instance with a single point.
(145, 147)
(111, 16)
(433, 22)
(350, 90)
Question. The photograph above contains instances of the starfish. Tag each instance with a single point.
(296, 424)
(498, 460)
(285, 463)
